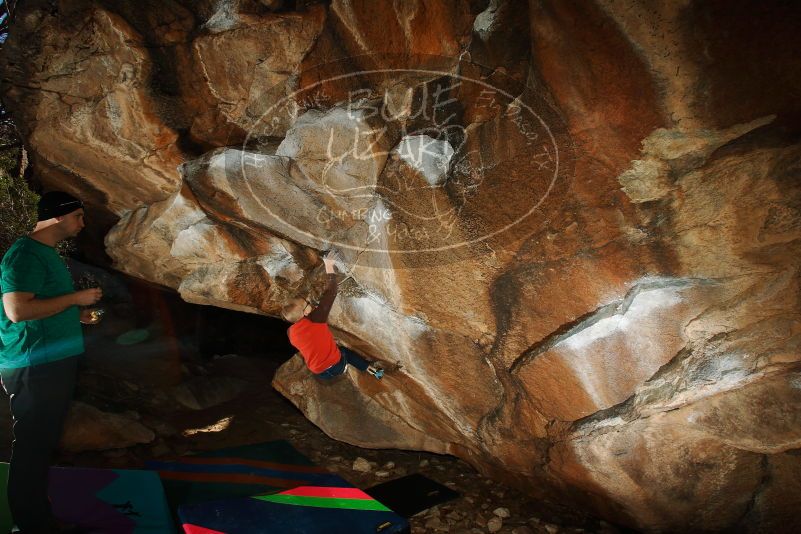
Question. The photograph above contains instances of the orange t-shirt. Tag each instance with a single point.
(315, 343)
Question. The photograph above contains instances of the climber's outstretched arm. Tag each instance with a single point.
(320, 313)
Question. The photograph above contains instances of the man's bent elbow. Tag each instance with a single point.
(14, 316)
(13, 307)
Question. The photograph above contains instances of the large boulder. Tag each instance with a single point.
(570, 228)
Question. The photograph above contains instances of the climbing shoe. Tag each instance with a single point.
(376, 370)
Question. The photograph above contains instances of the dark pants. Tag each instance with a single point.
(348, 357)
(40, 398)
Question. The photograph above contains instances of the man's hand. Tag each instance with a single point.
(89, 316)
(87, 297)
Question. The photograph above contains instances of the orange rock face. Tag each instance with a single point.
(574, 226)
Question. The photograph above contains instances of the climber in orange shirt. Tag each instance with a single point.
(312, 337)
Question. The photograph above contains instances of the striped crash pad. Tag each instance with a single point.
(238, 472)
(103, 501)
(268, 487)
(304, 510)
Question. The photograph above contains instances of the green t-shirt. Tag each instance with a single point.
(33, 267)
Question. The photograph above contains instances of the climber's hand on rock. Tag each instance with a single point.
(329, 260)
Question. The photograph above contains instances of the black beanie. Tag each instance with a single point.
(57, 203)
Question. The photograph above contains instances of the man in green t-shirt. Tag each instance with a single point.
(40, 337)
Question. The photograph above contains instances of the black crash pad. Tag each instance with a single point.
(411, 494)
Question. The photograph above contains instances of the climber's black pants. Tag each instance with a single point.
(40, 398)
(348, 357)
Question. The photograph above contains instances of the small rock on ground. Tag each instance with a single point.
(495, 524)
(361, 465)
